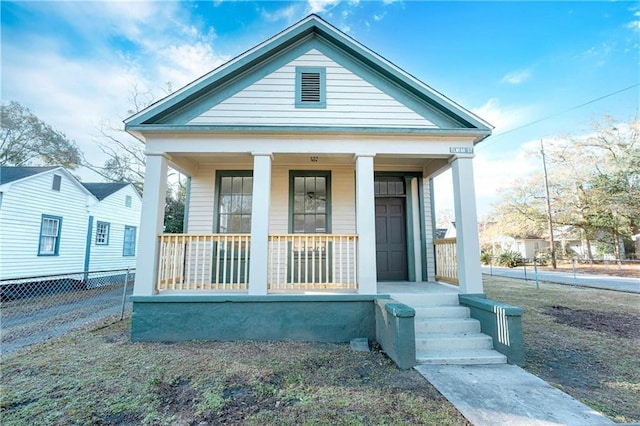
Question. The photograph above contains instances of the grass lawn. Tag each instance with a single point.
(586, 342)
(100, 377)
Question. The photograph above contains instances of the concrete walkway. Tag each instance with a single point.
(507, 395)
(608, 282)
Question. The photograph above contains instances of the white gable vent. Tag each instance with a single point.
(310, 87)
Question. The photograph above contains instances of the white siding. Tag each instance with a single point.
(350, 101)
(23, 205)
(428, 230)
(112, 209)
(202, 195)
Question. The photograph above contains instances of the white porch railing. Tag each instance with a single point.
(204, 261)
(297, 262)
(446, 260)
(312, 262)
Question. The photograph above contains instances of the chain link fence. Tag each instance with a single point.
(34, 309)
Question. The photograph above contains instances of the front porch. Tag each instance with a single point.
(297, 263)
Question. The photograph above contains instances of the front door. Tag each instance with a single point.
(391, 244)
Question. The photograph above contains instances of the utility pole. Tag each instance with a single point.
(552, 245)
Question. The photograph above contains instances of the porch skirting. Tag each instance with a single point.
(320, 318)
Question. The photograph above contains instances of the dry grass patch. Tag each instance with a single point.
(584, 341)
(100, 377)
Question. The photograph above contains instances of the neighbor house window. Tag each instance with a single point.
(49, 235)
(310, 202)
(102, 233)
(129, 247)
(235, 189)
(57, 180)
(127, 201)
(311, 87)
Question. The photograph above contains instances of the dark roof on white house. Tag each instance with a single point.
(102, 190)
(10, 173)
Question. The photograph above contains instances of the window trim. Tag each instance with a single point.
(106, 241)
(216, 199)
(124, 241)
(310, 173)
(56, 250)
(323, 87)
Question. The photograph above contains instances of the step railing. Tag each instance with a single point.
(446, 260)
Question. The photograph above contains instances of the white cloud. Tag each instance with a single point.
(74, 88)
(517, 77)
(634, 25)
(289, 14)
(504, 118)
(319, 6)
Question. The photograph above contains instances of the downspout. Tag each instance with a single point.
(87, 250)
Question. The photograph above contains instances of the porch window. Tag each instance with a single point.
(129, 244)
(234, 202)
(310, 203)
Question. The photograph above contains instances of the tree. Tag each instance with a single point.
(25, 140)
(174, 209)
(594, 188)
(125, 154)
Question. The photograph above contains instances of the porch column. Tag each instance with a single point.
(366, 225)
(258, 261)
(467, 241)
(151, 225)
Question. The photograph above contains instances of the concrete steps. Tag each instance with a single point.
(446, 333)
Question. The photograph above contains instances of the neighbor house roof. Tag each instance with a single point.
(156, 116)
(102, 190)
(10, 174)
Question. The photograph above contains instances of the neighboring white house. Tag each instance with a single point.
(528, 247)
(50, 223)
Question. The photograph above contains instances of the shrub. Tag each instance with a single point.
(485, 257)
(510, 259)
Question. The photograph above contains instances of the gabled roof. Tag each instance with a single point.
(10, 174)
(102, 190)
(152, 117)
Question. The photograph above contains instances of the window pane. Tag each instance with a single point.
(321, 223)
(298, 223)
(236, 204)
(383, 188)
(237, 185)
(309, 184)
(309, 224)
(246, 204)
(321, 186)
(298, 184)
(225, 204)
(225, 185)
(247, 185)
(321, 206)
(298, 203)
(246, 224)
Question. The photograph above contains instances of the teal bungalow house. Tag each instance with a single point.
(310, 160)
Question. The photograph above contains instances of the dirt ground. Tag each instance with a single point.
(100, 377)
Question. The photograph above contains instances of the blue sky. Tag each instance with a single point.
(74, 64)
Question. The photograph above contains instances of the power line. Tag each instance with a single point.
(556, 114)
